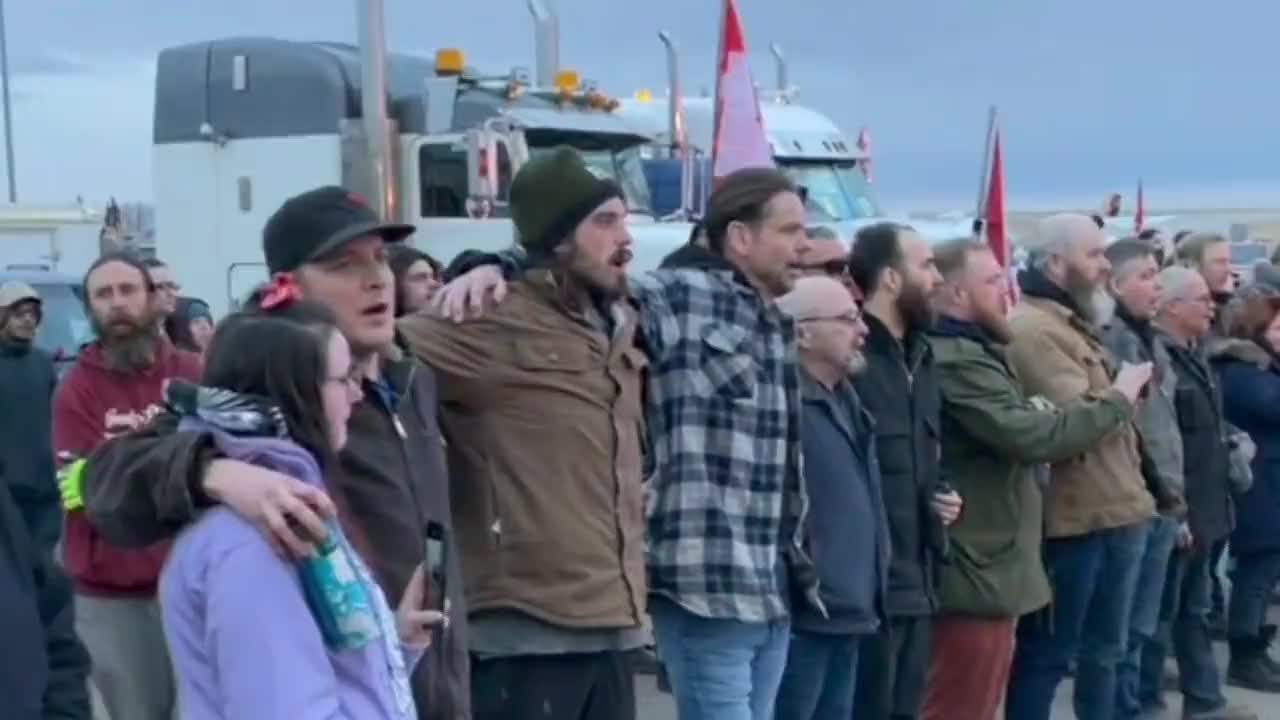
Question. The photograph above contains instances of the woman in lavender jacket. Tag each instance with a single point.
(277, 391)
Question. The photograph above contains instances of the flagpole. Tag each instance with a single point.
(984, 179)
(8, 115)
(716, 108)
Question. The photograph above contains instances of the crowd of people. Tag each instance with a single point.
(821, 482)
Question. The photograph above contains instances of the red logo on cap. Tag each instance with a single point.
(357, 199)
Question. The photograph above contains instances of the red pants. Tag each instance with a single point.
(969, 669)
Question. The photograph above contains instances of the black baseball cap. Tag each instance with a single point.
(319, 221)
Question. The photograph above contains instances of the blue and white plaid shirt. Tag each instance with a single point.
(724, 425)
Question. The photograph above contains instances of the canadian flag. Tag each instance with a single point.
(740, 140)
(864, 146)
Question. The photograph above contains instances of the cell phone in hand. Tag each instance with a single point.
(437, 558)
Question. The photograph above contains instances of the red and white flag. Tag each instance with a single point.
(740, 140)
(1139, 214)
(864, 146)
(993, 216)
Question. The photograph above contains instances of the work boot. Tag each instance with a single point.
(1250, 667)
(1269, 637)
(1226, 712)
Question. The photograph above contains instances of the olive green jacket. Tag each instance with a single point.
(994, 438)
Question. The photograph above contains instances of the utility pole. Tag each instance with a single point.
(8, 114)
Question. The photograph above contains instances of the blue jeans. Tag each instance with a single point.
(1252, 581)
(1189, 594)
(1144, 621)
(1094, 577)
(720, 669)
(818, 681)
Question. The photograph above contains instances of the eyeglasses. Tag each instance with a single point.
(353, 380)
(852, 317)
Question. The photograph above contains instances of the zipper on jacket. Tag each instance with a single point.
(408, 461)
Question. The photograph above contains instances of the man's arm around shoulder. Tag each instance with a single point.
(143, 487)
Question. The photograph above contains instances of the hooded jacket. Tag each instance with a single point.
(95, 403)
(146, 486)
(27, 379)
(1249, 377)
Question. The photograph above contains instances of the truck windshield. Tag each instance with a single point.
(622, 165)
(66, 325)
(836, 192)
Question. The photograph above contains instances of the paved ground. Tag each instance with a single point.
(654, 705)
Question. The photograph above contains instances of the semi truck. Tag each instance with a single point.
(243, 123)
(806, 144)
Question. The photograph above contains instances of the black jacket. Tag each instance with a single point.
(27, 379)
(1206, 455)
(43, 665)
(144, 487)
(900, 389)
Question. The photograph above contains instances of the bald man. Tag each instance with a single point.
(847, 531)
(1097, 507)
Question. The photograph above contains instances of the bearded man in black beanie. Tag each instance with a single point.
(540, 403)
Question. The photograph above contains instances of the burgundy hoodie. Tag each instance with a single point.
(94, 403)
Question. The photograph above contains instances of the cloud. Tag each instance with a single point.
(50, 62)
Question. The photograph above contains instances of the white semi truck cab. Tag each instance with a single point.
(243, 123)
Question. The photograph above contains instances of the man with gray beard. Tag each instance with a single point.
(116, 386)
(847, 532)
(1097, 507)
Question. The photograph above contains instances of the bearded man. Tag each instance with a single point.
(994, 437)
(116, 386)
(1097, 507)
(893, 267)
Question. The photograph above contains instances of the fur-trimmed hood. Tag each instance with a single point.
(1246, 351)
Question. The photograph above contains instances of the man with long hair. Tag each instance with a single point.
(541, 401)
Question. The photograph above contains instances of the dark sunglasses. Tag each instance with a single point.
(834, 268)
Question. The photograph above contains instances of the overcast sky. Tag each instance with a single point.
(1093, 93)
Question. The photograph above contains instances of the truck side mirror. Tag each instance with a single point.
(482, 165)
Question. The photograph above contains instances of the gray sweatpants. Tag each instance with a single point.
(131, 668)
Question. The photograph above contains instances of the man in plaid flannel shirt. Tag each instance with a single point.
(723, 417)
